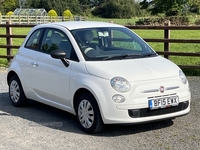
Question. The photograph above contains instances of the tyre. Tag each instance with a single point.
(16, 92)
(88, 114)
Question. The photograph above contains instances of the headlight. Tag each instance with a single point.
(182, 77)
(120, 84)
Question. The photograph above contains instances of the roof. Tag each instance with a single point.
(71, 25)
(30, 12)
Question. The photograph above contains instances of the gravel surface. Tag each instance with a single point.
(41, 127)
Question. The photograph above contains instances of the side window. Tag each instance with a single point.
(33, 41)
(56, 40)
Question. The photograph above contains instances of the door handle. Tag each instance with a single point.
(34, 64)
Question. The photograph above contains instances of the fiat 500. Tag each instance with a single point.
(101, 72)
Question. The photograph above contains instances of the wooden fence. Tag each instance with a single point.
(33, 20)
(166, 40)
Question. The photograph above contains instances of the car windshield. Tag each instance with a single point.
(111, 43)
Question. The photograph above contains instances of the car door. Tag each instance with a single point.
(49, 77)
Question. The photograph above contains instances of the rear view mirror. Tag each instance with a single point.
(103, 34)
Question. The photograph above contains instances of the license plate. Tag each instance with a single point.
(163, 102)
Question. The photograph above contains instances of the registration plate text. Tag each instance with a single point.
(163, 102)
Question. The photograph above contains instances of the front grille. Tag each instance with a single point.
(146, 112)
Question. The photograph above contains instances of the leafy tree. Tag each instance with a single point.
(115, 9)
(168, 7)
(58, 5)
(84, 6)
(32, 4)
(8, 5)
(73, 6)
(91, 3)
(87, 5)
(194, 6)
(52, 13)
(67, 13)
(97, 2)
(9, 13)
(1, 2)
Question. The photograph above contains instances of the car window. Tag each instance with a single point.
(122, 40)
(108, 43)
(87, 37)
(33, 41)
(57, 40)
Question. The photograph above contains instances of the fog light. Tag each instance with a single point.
(118, 98)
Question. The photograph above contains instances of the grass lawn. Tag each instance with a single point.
(174, 47)
(177, 47)
(16, 41)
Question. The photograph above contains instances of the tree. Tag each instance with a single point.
(73, 6)
(8, 5)
(67, 13)
(91, 3)
(194, 6)
(115, 9)
(9, 13)
(96, 2)
(58, 5)
(1, 2)
(168, 7)
(52, 13)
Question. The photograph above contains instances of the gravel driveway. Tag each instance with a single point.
(41, 127)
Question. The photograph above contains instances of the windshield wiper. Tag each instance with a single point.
(149, 55)
(123, 56)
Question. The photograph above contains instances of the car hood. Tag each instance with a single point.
(134, 69)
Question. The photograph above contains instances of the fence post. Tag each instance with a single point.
(9, 40)
(167, 36)
(43, 19)
(28, 19)
(36, 19)
(19, 19)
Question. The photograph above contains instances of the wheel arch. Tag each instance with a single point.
(10, 74)
(78, 93)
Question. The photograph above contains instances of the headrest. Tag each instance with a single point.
(56, 38)
(89, 36)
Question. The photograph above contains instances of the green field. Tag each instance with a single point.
(174, 47)
(177, 47)
(16, 41)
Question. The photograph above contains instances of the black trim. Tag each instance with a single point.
(39, 39)
(146, 112)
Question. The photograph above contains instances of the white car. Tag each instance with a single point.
(101, 72)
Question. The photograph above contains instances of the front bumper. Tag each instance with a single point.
(136, 109)
(146, 112)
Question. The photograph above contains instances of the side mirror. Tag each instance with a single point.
(60, 54)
